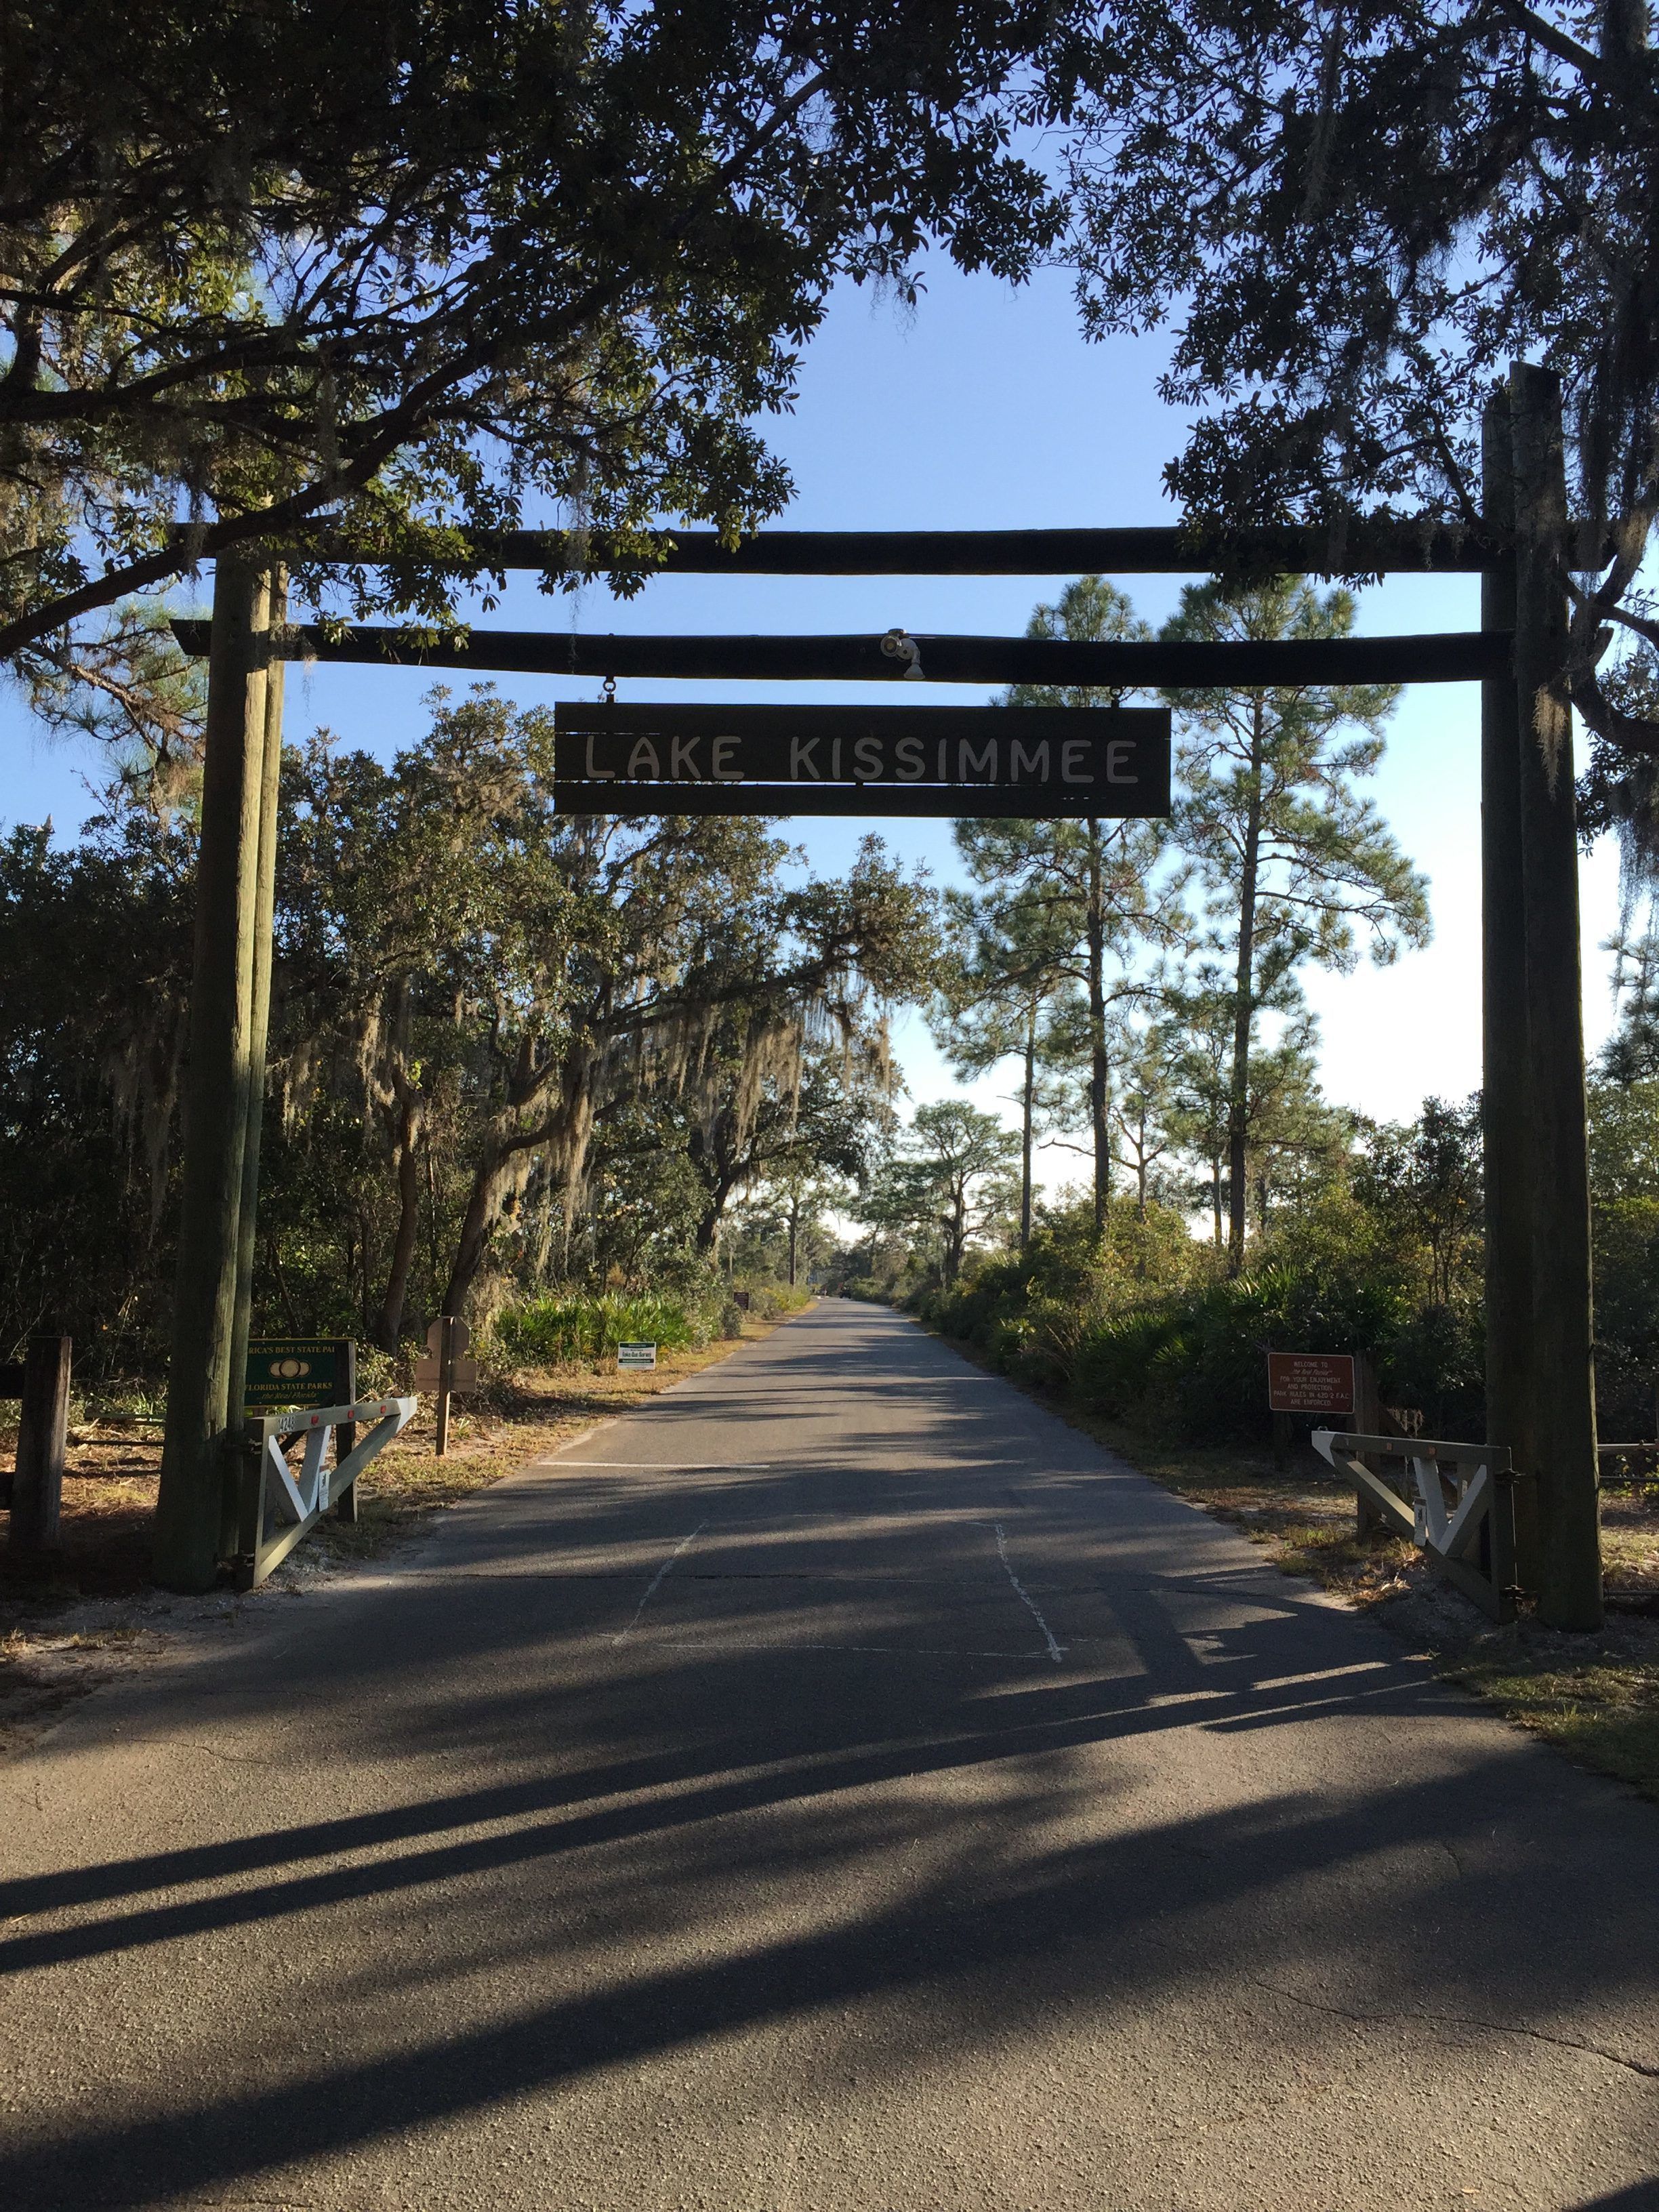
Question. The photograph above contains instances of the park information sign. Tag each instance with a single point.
(1311, 1381)
(636, 1355)
(300, 1371)
(1040, 763)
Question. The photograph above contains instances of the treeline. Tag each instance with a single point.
(549, 1067)
(1377, 1247)
(509, 1048)
(1141, 985)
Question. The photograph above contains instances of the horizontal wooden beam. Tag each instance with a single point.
(1364, 549)
(1364, 546)
(1439, 657)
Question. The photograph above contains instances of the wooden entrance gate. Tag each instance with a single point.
(1539, 1387)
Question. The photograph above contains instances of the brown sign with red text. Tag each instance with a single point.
(1311, 1381)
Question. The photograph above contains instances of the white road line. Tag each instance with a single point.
(1025, 1599)
(678, 1466)
(684, 1545)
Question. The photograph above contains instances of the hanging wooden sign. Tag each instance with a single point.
(1037, 762)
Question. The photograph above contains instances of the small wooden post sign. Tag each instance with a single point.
(445, 1368)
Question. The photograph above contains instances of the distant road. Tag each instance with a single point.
(836, 1787)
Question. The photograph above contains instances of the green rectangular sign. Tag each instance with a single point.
(300, 1371)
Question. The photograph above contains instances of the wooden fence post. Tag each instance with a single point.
(345, 1437)
(1367, 1422)
(188, 1516)
(1568, 1543)
(446, 1371)
(1506, 1133)
(37, 1487)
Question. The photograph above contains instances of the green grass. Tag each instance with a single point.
(1603, 1713)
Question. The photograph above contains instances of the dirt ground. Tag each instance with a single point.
(69, 1619)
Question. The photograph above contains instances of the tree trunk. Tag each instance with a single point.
(1569, 1520)
(274, 1260)
(1505, 1116)
(955, 1236)
(708, 1229)
(1238, 1088)
(1028, 1093)
(795, 1238)
(193, 1471)
(1099, 1065)
(1215, 1202)
(557, 1129)
(389, 1328)
(492, 1180)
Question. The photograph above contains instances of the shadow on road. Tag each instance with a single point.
(760, 1806)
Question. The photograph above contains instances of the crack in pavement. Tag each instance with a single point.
(1459, 2020)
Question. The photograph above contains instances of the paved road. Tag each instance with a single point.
(836, 1785)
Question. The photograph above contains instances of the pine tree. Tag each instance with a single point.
(1091, 895)
(1297, 865)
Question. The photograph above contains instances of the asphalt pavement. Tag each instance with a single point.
(837, 1784)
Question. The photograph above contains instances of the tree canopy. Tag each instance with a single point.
(421, 264)
(1357, 218)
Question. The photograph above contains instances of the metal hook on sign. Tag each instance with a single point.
(897, 645)
(609, 690)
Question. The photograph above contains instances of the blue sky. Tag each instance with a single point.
(984, 409)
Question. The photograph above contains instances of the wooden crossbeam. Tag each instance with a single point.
(1436, 657)
(1363, 547)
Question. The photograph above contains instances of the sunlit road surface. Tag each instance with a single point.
(837, 1784)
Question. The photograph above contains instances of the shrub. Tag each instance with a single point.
(575, 1329)
(772, 1301)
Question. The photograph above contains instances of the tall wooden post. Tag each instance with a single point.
(260, 1010)
(188, 1509)
(1505, 1110)
(264, 902)
(1568, 1536)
